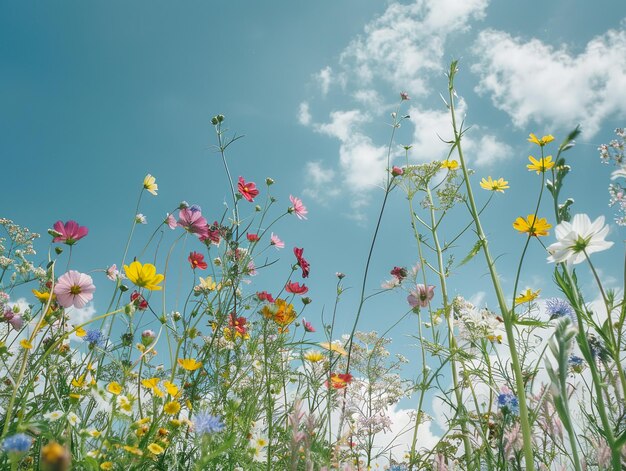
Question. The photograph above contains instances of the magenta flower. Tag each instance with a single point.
(70, 232)
(298, 208)
(308, 327)
(276, 242)
(74, 289)
(397, 171)
(296, 288)
(247, 190)
(192, 221)
(170, 220)
(421, 296)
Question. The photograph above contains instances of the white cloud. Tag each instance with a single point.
(324, 78)
(369, 98)
(319, 179)
(304, 115)
(537, 83)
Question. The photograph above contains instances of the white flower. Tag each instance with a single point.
(73, 419)
(54, 415)
(141, 219)
(578, 237)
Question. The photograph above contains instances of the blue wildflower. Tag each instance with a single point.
(206, 423)
(576, 363)
(18, 443)
(94, 337)
(398, 467)
(557, 307)
(508, 402)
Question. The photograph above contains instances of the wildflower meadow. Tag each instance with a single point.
(205, 344)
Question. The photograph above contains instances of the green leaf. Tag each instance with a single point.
(472, 253)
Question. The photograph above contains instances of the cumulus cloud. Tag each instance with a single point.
(304, 115)
(319, 179)
(324, 78)
(537, 83)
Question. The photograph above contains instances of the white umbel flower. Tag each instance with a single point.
(577, 237)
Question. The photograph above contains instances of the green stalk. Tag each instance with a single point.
(506, 314)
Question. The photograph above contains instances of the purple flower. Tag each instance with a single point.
(192, 221)
(18, 443)
(557, 308)
(508, 402)
(421, 296)
(205, 423)
(94, 337)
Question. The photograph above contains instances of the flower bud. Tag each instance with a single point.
(396, 171)
(147, 337)
(269, 181)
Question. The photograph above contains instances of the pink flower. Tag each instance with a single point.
(250, 269)
(421, 296)
(296, 288)
(113, 273)
(70, 232)
(170, 220)
(298, 208)
(396, 171)
(301, 261)
(404, 96)
(276, 242)
(213, 234)
(399, 272)
(197, 261)
(307, 325)
(74, 289)
(247, 190)
(252, 237)
(265, 296)
(192, 221)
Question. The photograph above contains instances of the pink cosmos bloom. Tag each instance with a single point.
(307, 325)
(296, 288)
(421, 296)
(192, 221)
(213, 234)
(170, 220)
(70, 232)
(247, 190)
(404, 96)
(276, 242)
(74, 289)
(251, 269)
(298, 208)
(113, 273)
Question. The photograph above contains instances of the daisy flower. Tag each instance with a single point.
(494, 185)
(541, 165)
(540, 142)
(577, 238)
(74, 289)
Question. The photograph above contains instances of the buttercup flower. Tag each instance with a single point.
(171, 408)
(540, 142)
(74, 289)
(541, 165)
(149, 183)
(450, 164)
(527, 296)
(144, 276)
(156, 449)
(298, 208)
(69, 232)
(421, 296)
(494, 185)
(247, 190)
(533, 226)
(114, 388)
(578, 237)
(197, 261)
(26, 345)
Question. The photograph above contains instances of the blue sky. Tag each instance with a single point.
(95, 95)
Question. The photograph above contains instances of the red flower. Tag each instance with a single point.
(295, 288)
(139, 301)
(252, 237)
(339, 381)
(399, 272)
(265, 296)
(301, 261)
(240, 324)
(69, 232)
(212, 234)
(247, 190)
(197, 261)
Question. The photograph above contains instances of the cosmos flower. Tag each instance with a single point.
(578, 237)
(308, 327)
(396, 171)
(494, 185)
(144, 276)
(149, 183)
(298, 208)
(113, 273)
(252, 237)
(74, 289)
(69, 232)
(404, 96)
(247, 190)
(421, 295)
(171, 222)
(301, 261)
(536, 227)
(334, 347)
(193, 222)
(197, 261)
(276, 242)
(204, 423)
(296, 288)
(540, 142)
(265, 296)
(280, 312)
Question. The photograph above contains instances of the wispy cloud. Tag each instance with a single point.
(549, 86)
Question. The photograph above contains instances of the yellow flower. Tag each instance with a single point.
(95, 433)
(149, 183)
(134, 450)
(26, 344)
(107, 465)
(144, 276)
(314, 356)
(334, 347)
(80, 332)
(189, 364)
(540, 142)
(280, 312)
(527, 296)
(540, 165)
(534, 227)
(43, 296)
(150, 383)
(171, 408)
(156, 449)
(450, 164)
(171, 388)
(207, 284)
(494, 185)
(114, 388)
